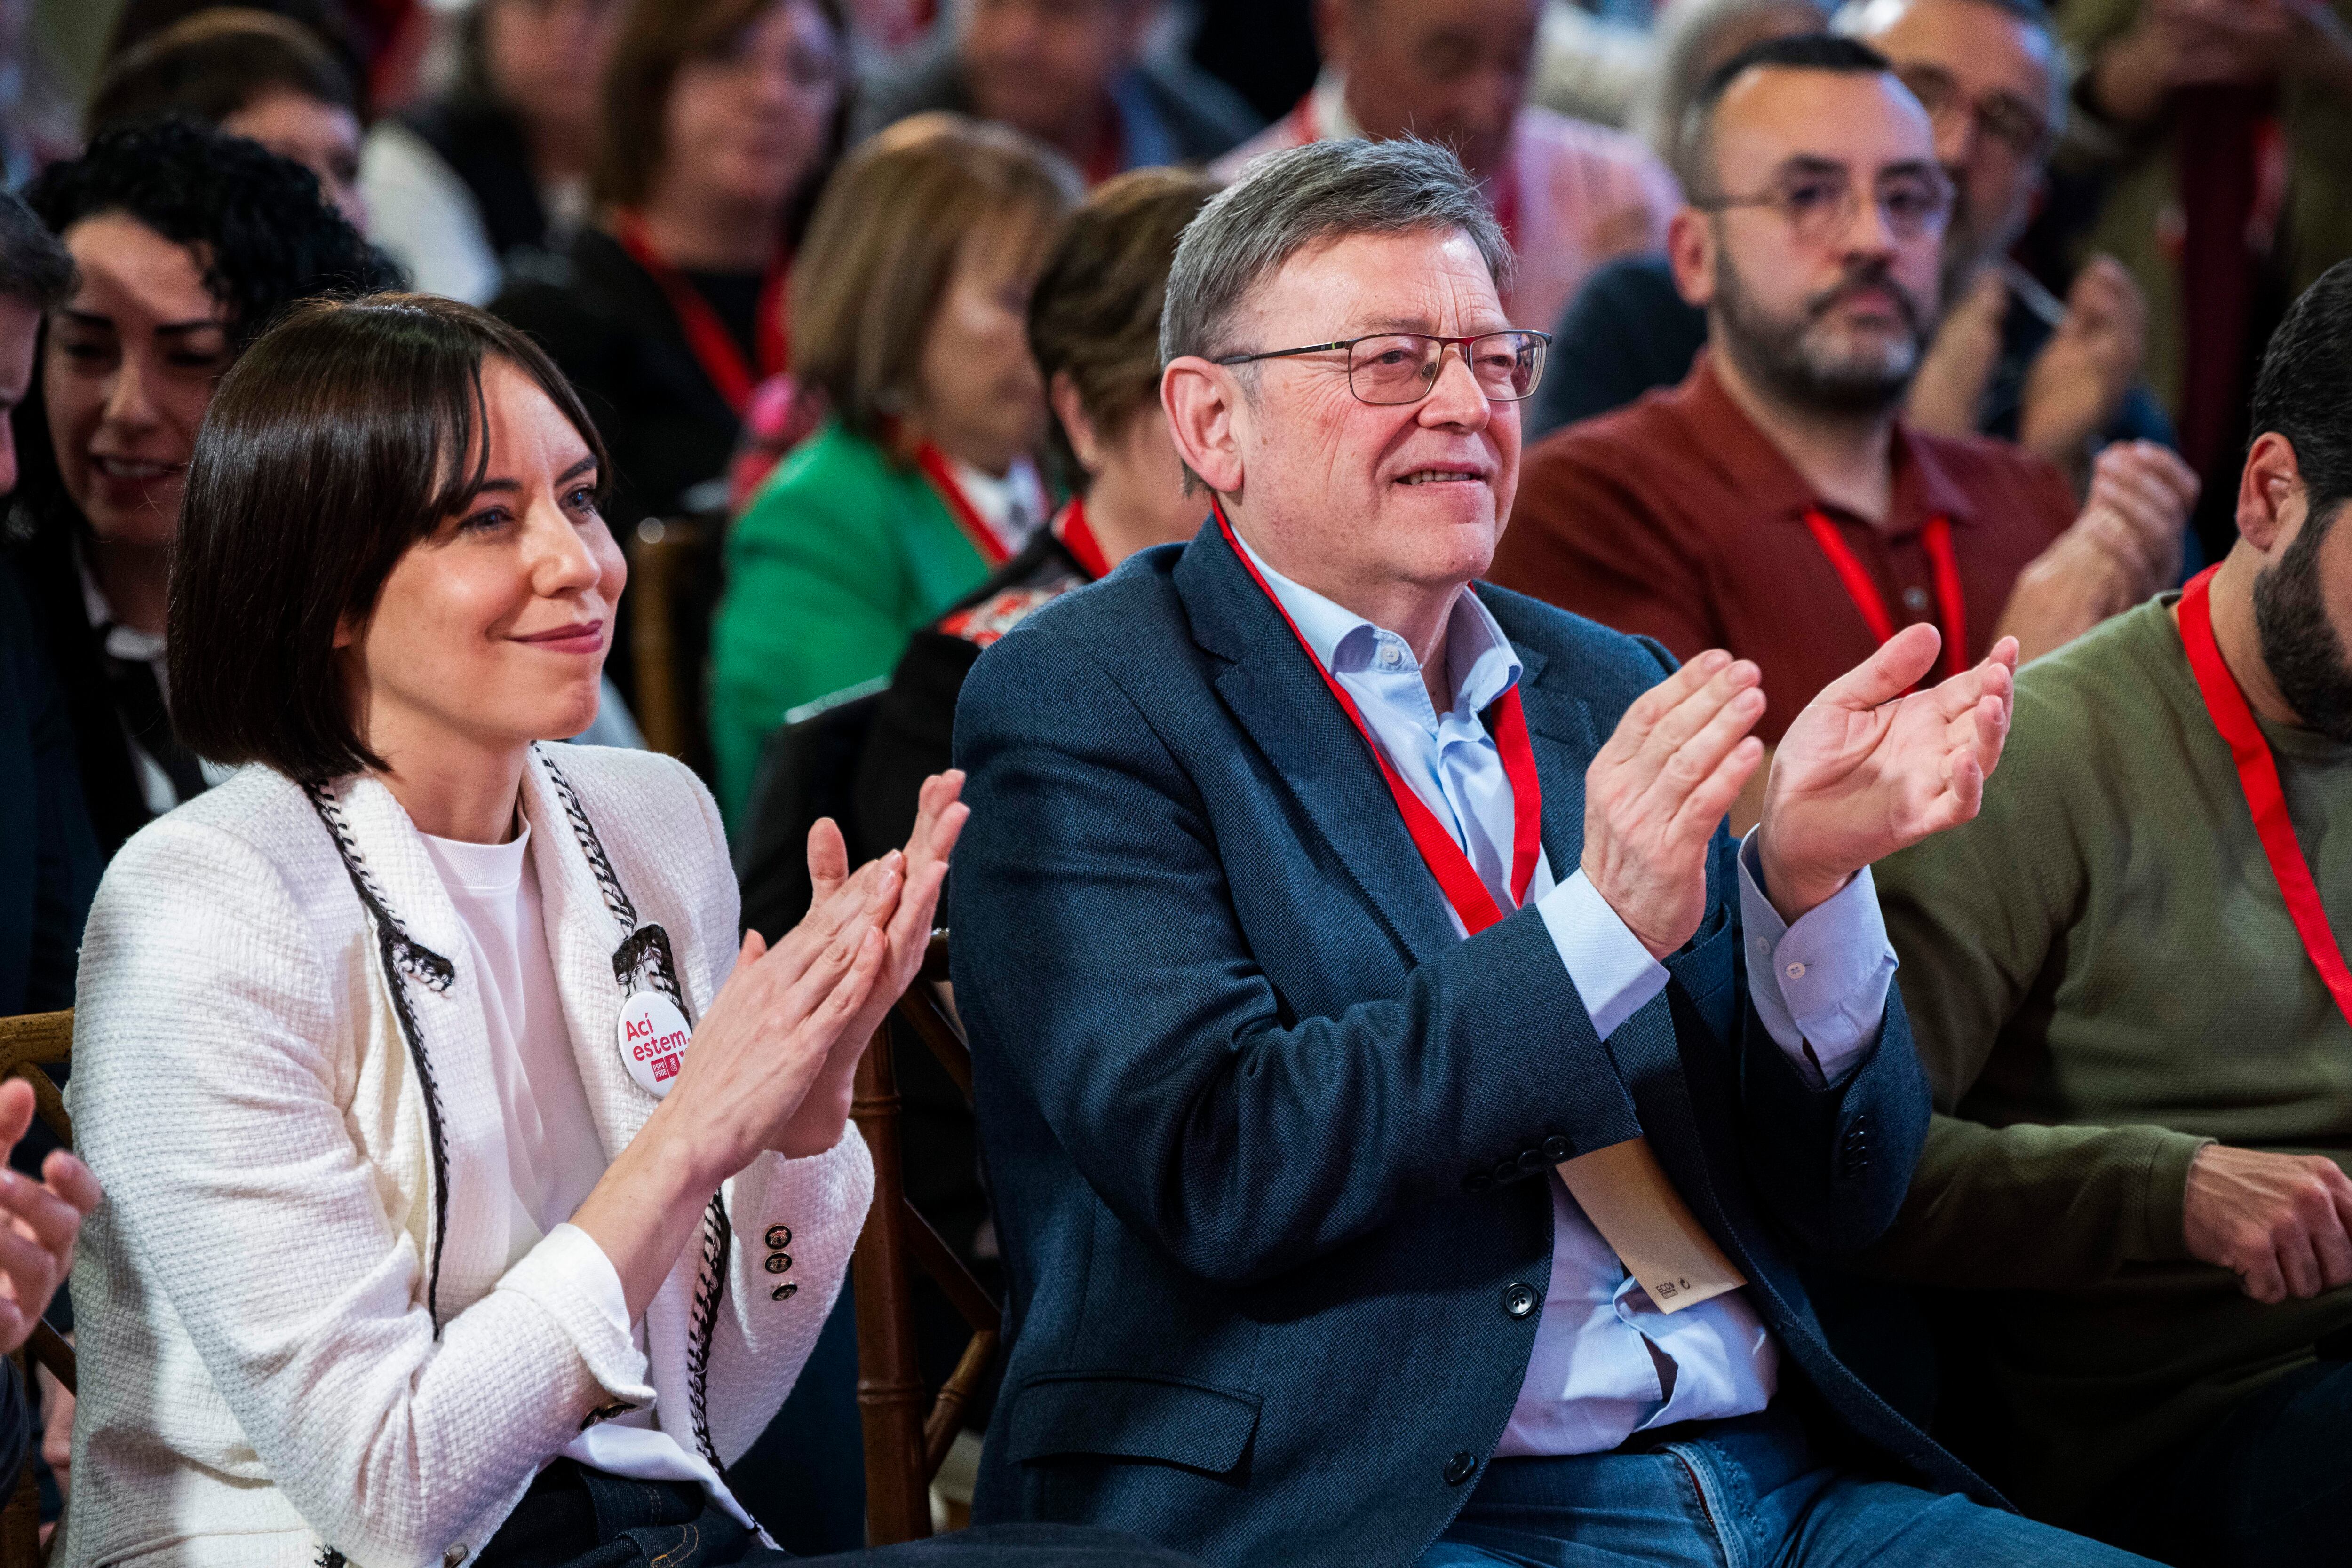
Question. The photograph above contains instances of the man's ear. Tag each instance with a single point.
(1203, 402)
(1690, 250)
(2272, 501)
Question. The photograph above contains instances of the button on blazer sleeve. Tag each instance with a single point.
(1105, 970)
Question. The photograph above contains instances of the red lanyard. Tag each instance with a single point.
(1459, 879)
(2258, 776)
(1946, 566)
(1109, 155)
(934, 464)
(714, 346)
(1072, 528)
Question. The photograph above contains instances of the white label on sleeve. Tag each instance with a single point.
(653, 1041)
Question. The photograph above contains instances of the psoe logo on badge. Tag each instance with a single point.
(653, 1038)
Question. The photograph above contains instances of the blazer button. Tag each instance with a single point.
(1531, 1161)
(1519, 1300)
(778, 1237)
(1477, 1182)
(1507, 1170)
(779, 1262)
(1460, 1468)
(451, 1558)
(1556, 1149)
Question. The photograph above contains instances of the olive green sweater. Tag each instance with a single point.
(2102, 977)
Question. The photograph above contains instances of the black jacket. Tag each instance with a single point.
(51, 585)
(50, 861)
(484, 146)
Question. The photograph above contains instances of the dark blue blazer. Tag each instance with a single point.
(1268, 1141)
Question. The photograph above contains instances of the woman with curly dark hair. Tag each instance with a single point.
(188, 242)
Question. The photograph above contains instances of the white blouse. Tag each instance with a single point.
(554, 1159)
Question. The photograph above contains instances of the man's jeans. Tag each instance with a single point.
(1743, 1493)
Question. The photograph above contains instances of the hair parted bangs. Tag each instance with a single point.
(339, 440)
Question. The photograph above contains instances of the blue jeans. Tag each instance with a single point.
(1747, 1492)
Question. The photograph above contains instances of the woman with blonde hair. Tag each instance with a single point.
(908, 314)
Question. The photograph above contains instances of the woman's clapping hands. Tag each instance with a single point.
(918, 874)
(772, 1060)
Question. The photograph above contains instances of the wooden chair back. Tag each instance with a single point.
(668, 631)
(907, 1434)
(29, 1043)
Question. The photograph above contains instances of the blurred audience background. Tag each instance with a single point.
(2136, 190)
(496, 164)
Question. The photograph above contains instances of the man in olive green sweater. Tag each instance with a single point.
(2137, 1199)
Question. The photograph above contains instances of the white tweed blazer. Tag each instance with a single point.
(299, 1337)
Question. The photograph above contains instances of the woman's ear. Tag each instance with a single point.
(1084, 439)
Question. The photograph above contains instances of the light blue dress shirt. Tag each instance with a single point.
(1606, 1362)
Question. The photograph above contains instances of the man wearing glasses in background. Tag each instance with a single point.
(1407, 1108)
(2061, 379)
(1777, 504)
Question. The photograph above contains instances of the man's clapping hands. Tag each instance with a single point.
(1868, 767)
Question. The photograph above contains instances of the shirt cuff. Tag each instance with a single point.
(1612, 972)
(1820, 986)
(568, 1275)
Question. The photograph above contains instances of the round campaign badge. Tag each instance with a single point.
(653, 1041)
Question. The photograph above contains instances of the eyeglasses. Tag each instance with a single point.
(1402, 367)
(1820, 204)
(2021, 132)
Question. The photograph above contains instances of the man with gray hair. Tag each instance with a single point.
(1407, 1108)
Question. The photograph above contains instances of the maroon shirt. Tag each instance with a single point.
(1677, 519)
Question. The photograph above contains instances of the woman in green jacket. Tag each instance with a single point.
(908, 306)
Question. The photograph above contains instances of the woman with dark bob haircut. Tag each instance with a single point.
(473, 1196)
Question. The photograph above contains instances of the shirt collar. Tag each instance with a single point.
(121, 642)
(1922, 486)
(1013, 507)
(1478, 655)
(1333, 122)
